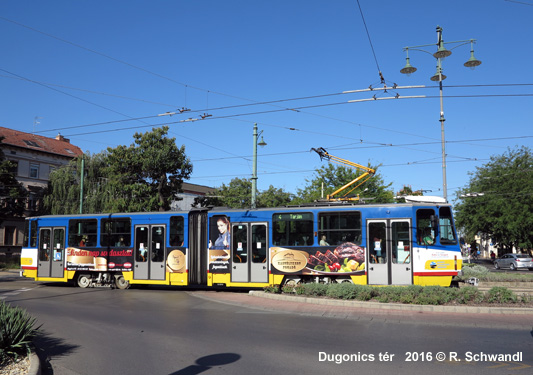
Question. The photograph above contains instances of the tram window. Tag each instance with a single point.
(401, 250)
(115, 232)
(158, 244)
(447, 234)
(33, 235)
(26, 232)
(82, 233)
(30, 233)
(339, 227)
(293, 229)
(425, 229)
(259, 244)
(44, 245)
(240, 243)
(377, 242)
(58, 244)
(176, 230)
(141, 244)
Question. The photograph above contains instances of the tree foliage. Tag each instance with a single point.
(238, 194)
(12, 193)
(498, 200)
(63, 195)
(407, 190)
(330, 177)
(145, 176)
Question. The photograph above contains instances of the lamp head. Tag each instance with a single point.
(262, 142)
(442, 52)
(438, 75)
(472, 61)
(408, 68)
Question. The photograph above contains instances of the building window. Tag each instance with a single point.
(10, 235)
(34, 170)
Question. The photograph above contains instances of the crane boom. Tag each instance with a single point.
(367, 174)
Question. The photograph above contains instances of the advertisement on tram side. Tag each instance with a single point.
(98, 260)
(346, 259)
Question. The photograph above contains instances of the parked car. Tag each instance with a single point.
(514, 262)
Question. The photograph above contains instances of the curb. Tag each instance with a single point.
(397, 306)
(35, 364)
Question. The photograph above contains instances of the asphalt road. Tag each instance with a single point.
(171, 331)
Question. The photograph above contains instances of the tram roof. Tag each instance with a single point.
(221, 210)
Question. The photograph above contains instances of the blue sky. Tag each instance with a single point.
(68, 66)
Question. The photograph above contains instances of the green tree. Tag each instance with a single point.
(407, 190)
(498, 200)
(238, 194)
(274, 197)
(145, 176)
(330, 177)
(63, 195)
(12, 193)
(149, 173)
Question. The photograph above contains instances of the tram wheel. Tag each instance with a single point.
(84, 281)
(121, 282)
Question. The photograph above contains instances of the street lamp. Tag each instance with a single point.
(254, 172)
(440, 55)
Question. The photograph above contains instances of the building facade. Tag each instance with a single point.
(35, 157)
(190, 192)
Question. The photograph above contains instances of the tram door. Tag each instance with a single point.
(51, 252)
(389, 252)
(249, 252)
(149, 252)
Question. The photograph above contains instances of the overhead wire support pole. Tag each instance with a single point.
(254, 168)
(262, 143)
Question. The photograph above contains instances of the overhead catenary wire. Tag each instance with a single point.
(318, 96)
(274, 111)
(129, 118)
(382, 80)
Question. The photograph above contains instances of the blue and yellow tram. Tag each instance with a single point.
(395, 244)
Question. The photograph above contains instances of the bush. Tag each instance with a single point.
(16, 332)
(500, 294)
(412, 294)
(524, 298)
(314, 289)
(287, 288)
(475, 271)
(389, 293)
(342, 291)
(271, 289)
(364, 292)
(435, 295)
(469, 294)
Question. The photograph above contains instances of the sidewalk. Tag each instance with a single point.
(468, 316)
(10, 273)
